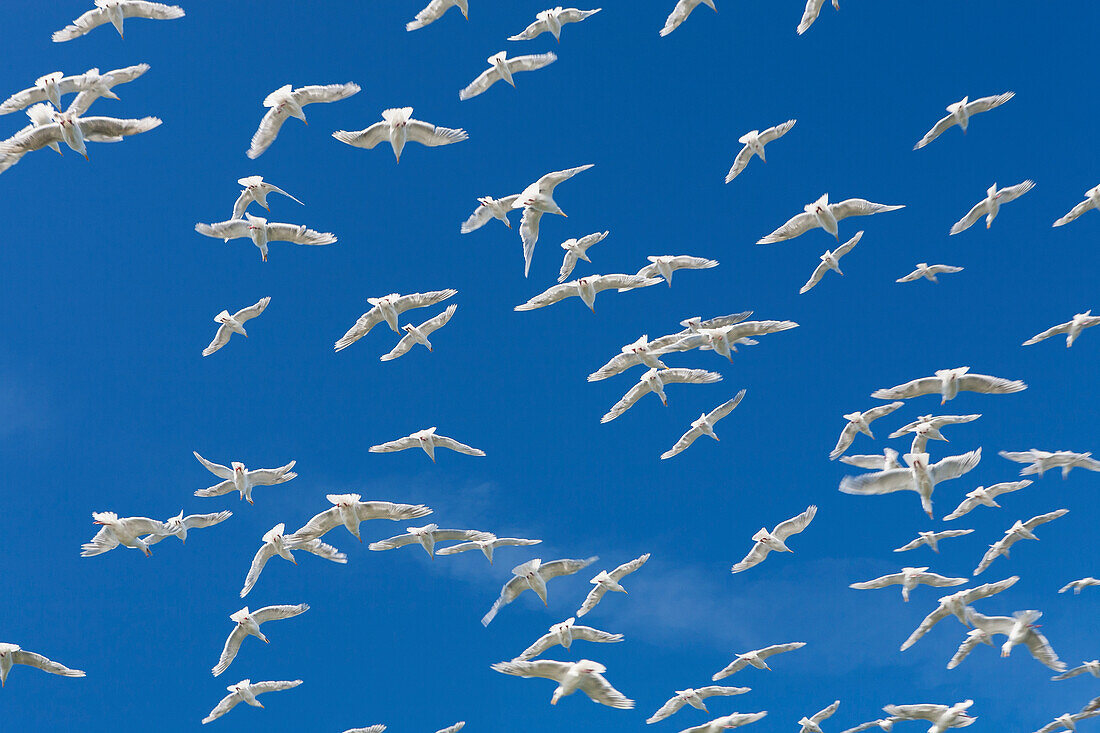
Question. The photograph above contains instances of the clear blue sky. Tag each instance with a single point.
(108, 297)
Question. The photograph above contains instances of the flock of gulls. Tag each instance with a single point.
(51, 124)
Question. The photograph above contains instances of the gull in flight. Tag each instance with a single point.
(255, 190)
(349, 511)
(1092, 201)
(605, 581)
(551, 21)
(489, 208)
(991, 205)
(754, 142)
(920, 476)
(12, 654)
(398, 127)
(261, 232)
(419, 334)
(644, 351)
(287, 102)
(1018, 531)
(884, 724)
(825, 215)
(885, 462)
(1080, 585)
(766, 541)
(1092, 668)
(276, 542)
(942, 717)
(179, 525)
(533, 575)
(427, 536)
(1072, 329)
(1068, 721)
(724, 339)
(928, 272)
(577, 249)
(985, 496)
(830, 261)
(386, 309)
(231, 324)
(428, 441)
(959, 114)
(932, 539)
(536, 200)
(502, 67)
(89, 86)
(693, 697)
(756, 658)
(665, 265)
(565, 634)
(434, 11)
(860, 422)
(126, 531)
(680, 13)
(948, 383)
(39, 114)
(1020, 628)
(240, 479)
(704, 425)
(74, 131)
(927, 427)
(812, 724)
(813, 9)
(908, 579)
(585, 675)
(973, 638)
(114, 12)
(248, 624)
(1041, 461)
(487, 545)
(246, 691)
(586, 288)
(655, 381)
(726, 722)
(956, 605)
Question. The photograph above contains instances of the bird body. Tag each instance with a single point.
(990, 206)
(262, 232)
(565, 633)
(125, 531)
(233, 323)
(179, 525)
(277, 542)
(665, 265)
(577, 249)
(89, 86)
(822, 214)
(419, 334)
(248, 624)
(538, 199)
(812, 724)
(605, 581)
(693, 697)
(237, 477)
(754, 142)
(502, 68)
(586, 289)
(948, 383)
(1020, 628)
(983, 496)
(765, 541)
(255, 189)
(489, 208)
(1080, 585)
(1071, 328)
(427, 536)
(831, 261)
(655, 381)
(71, 129)
(1042, 461)
(942, 717)
(487, 545)
(860, 422)
(1092, 201)
(286, 102)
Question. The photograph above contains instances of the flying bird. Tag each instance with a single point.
(860, 422)
(1067, 721)
(664, 265)
(248, 624)
(428, 441)
(489, 208)
(605, 581)
(1080, 585)
(255, 189)
(973, 638)
(386, 309)
(565, 634)
(427, 536)
(825, 215)
(536, 200)
(349, 511)
(277, 542)
(956, 605)
(991, 205)
(942, 717)
(487, 545)
(180, 525)
(1092, 668)
(72, 130)
(115, 531)
(724, 339)
(884, 724)
(1018, 531)
(920, 476)
(756, 658)
(928, 272)
(704, 425)
(89, 86)
(286, 102)
(551, 21)
(726, 722)
(247, 691)
(231, 324)
(39, 115)
(693, 697)
(1072, 329)
(641, 351)
(885, 462)
(12, 654)
(932, 539)
(577, 249)
(262, 232)
(398, 127)
(586, 288)
(419, 334)
(959, 114)
(655, 381)
(809, 15)
(585, 675)
(754, 142)
(983, 496)
(766, 541)
(948, 383)
(908, 579)
(114, 12)
(502, 68)
(534, 575)
(680, 13)
(239, 478)
(830, 261)
(1092, 201)
(927, 427)
(812, 724)
(1020, 628)
(1042, 461)
(434, 11)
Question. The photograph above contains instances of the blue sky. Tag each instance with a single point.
(109, 295)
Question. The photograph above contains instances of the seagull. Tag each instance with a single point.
(756, 658)
(754, 142)
(959, 114)
(664, 265)
(860, 422)
(287, 102)
(349, 511)
(565, 634)
(1092, 201)
(12, 654)
(825, 215)
(248, 624)
(233, 324)
(830, 261)
(434, 11)
(1072, 329)
(398, 127)
(655, 381)
(533, 575)
(386, 309)
(489, 208)
(812, 724)
(885, 462)
(927, 427)
(114, 531)
(247, 691)
(502, 67)
(680, 13)
(453, 728)
(941, 717)
(427, 536)
(908, 579)
(88, 87)
(240, 479)
(932, 539)
(585, 675)
(1067, 721)
(72, 130)
(985, 496)
(536, 200)
(368, 729)
(577, 249)
(113, 12)
(885, 724)
(179, 525)
(255, 190)
(693, 697)
(766, 541)
(704, 425)
(973, 638)
(1042, 461)
(419, 334)
(920, 476)
(734, 720)
(991, 205)
(1018, 531)
(428, 441)
(262, 232)
(605, 581)
(586, 288)
(1080, 585)
(948, 383)
(928, 272)
(813, 9)
(277, 542)
(1020, 628)
(956, 604)
(487, 545)
(551, 21)
(39, 114)
(1092, 668)
(724, 339)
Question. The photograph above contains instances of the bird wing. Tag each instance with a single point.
(971, 641)
(567, 265)
(689, 376)
(221, 338)
(618, 364)
(587, 633)
(872, 462)
(508, 593)
(594, 596)
(847, 435)
(46, 665)
(597, 687)
(797, 225)
(687, 262)
(825, 713)
(726, 407)
(85, 23)
(620, 281)
(268, 130)
(202, 521)
(938, 269)
(481, 216)
(229, 651)
(880, 582)
(252, 311)
(422, 300)
(22, 99)
(532, 31)
(278, 613)
(366, 138)
(529, 234)
(242, 203)
(938, 581)
(433, 12)
(739, 163)
(860, 207)
(442, 441)
(543, 643)
(324, 93)
(272, 476)
(911, 546)
(1044, 518)
(531, 62)
(320, 549)
(988, 589)
(395, 445)
(366, 322)
(479, 85)
(756, 556)
(573, 15)
(265, 553)
(432, 136)
(923, 386)
(815, 278)
(548, 182)
(152, 11)
(669, 708)
(31, 138)
(1027, 456)
(261, 687)
(970, 219)
(549, 296)
(232, 229)
(678, 15)
(955, 466)
(453, 728)
(404, 345)
(809, 15)
(683, 443)
(878, 482)
(1053, 331)
(298, 234)
(881, 411)
(1041, 649)
(368, 510)
(217, 489)
(794, 525)
(318, 525)
(393, 543)
(916, 712)
(546, 668)
(636, 393)
(1073, 214)
(227, 703)
(995, 550)
(938, 129)
(779, 649)
(104, 541)
(437, 322)
(926, 625)
(985, 104)
(990, 385)
(1071, 673)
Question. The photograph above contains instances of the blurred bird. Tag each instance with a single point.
(928, 272)
(932, 539)
(115, 531)
(534, 575)
(277, 542)
(680, 13)
(920, 476)
(577, 249)
(255, 189)
(487, 545)
(427, 536)
(179, 525)
(585, 675)
(956, 605)
(419, 334)
(434, 11)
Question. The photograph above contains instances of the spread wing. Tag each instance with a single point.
(567, 566)
(479, 85)
(543, 643)
(531, 62)
(847, 435)
(860, 207)
(508, 593)
(795, 525)
(549, 296)
(815, 278)
(46, 665)
(265, 553)
(298, 234)
(1055, 331)
(756, 556)
(990, 385)
(954, 466)
(878, 482)
(85, 23)
(433, 12)
(1073, 214)
(252, 311)
(445, 442)
(262, 687)
(202, 521)
(683, 443)
(272, 476)
(972, 640)
(366, 322)
(422, 300)
(970, 219)
(545, 668)
(227, 703)
(985, 104)
(926, 625)
(774, 133)
(1014, 192)
(739, 164)
(318, 525)
(678, 15)
(395, 445)
(278, 613)
(232, 229)
(636, 392)
(324, 93)
(1041, 649)
(268, 130)
(669, 708)
(23, 99)
(809, 15)
(529, 234)
(795, 226)
(366, 138)
(532, 31)
(923, 386)
(221, 338)
(229, 651)
(430, 135)
(938, 129)
(597, 688)
(826, 713)
(1044, 518)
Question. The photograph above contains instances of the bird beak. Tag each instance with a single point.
(85, 156)
(294, 561)
(251, 502)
